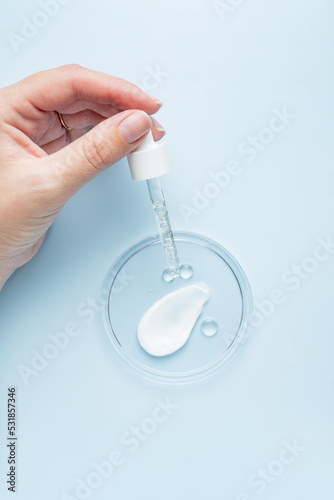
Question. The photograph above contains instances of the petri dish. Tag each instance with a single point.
(135, 282)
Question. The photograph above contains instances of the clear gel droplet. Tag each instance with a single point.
(209, 327)
(169, 275)
(186, 271)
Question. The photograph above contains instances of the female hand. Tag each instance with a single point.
(42, 164)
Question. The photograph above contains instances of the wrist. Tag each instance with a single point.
(6, 270)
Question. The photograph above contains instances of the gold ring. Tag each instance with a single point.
(62, 122)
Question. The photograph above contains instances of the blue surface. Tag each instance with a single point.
(224, 79)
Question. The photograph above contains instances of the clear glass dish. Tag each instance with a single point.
(135, 282)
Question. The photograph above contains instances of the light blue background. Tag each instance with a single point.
(225, 77)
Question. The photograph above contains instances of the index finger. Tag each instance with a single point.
(55, 88)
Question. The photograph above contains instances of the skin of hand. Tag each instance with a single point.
(42, 164)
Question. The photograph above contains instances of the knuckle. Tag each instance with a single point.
(72, 68)
(94, 150)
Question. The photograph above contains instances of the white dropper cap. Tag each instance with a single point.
(149, 160)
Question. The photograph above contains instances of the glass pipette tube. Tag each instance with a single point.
(165, 229)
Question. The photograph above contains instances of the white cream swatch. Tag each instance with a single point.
(166, 326)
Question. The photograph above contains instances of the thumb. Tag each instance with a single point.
(97, 150)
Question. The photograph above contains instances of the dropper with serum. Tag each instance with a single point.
(149, 162)
(168, 323)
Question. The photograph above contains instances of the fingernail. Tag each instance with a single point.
(134, 126)
(160, 129)
(156, 100)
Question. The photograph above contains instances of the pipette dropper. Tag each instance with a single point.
(148, 162)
